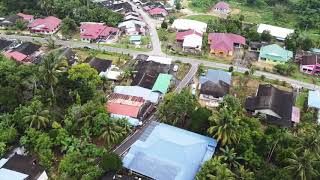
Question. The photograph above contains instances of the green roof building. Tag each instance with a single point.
(162, 83)
(274, 54)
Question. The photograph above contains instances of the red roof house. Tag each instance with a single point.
(222, 7)
(158, 12)
(124, 105)
(15, 55)
(181, 35)
(223, 43)
(26, 17)
(91, 31)
(48, 25)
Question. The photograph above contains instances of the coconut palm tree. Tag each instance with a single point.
(229, 156)
(224, 126)
(111, 133)
(49, 70)
(37, 117)
(303, 166)
(310, 141)
(280, 135)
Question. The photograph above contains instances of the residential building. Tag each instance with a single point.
(159, 59)
(132, 107)
(133, 27)
(222, 7)
(26, 17)
(10, 20)
(4, 44)
(48, 25)
(20, 167)
(278, 32)
(256, 46)
(187, 24)
(162, 83)
(116, 6)
(105, 68)
(158, 13)
(223, 44)
(135, 39)
(276, 105)
(25, 53)
(310, 64)
(97, 32)
(146, 94)
(148, 72)
(274, 54)
(214, 86)
(191, 41)
(165, 152)
(69, 55)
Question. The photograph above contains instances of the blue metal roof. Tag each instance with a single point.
(12, 175)
(165, 152)
(215, 76)
(314, 99)
(131, 121)
(138, 91)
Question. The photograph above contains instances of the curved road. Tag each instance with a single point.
(192, 61)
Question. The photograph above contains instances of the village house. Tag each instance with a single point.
(104, 68)
(148, 72)
(117, 6)
(310, 64)
(276, 105)
(69, 55)
(278, 32)
(222, 44)
(5, 44)
(146, 94)
(12, 19)
(133, 27)
(20, 167)
(274, 54)
(166, 152)
(25, 53)
(214, 86)
(222, 8)
(97, 32)
(48, 25)
(190, 41)
(158, 13)
(133, 108)
(187, 24)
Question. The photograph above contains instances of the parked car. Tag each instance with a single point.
(175, 68)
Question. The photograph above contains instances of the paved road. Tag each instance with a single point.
(192, 61)
(192, 72)
(152, 23)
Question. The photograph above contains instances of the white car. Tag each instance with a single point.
(175, 68)
(193, 89)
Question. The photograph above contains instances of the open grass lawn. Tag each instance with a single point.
(306, 78)
(118, 59)
(183, 70)
(202, 18)
(125, 43)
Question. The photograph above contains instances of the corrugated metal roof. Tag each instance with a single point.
(314, 99)
(138, 91)
(169, 153)
(275, 52)
(12, 175)
(162, 83)
(216, 76)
